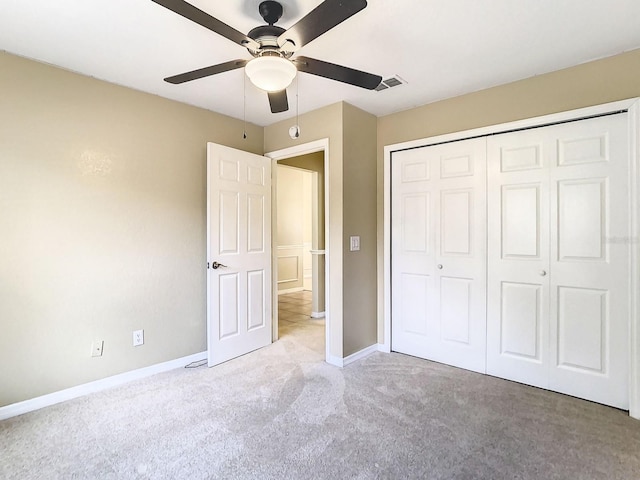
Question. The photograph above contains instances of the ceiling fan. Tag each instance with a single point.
(272, 69)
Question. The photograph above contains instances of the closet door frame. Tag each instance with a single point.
(632, 106)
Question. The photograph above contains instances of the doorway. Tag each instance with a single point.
(313, 157)
(298, 241)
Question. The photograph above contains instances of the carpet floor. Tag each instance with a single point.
(282, 413)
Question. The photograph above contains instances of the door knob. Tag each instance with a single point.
(543, 273)
(439, 266)
(217, 265)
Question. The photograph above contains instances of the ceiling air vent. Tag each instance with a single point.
(390, 83)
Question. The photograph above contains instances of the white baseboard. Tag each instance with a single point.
(32, 404)
(384, 347)
(343, 362)
(317, 314)
(361, 354)
(335, 361)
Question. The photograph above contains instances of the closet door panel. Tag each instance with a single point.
(455, 309)
(520, 221)
(558, 258)
(456, 222)
(414, 291)
(461, 253)
(518, 257)
(589, 260)
(520, 320)
(454, 181)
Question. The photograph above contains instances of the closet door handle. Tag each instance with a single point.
(439, 266)
(217, 265)
(543, 273)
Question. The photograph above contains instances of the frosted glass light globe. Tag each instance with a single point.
(271, 73)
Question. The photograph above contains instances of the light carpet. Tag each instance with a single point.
(282, 413)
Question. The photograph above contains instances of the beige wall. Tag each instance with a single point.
(359, 197)
(293, 230)
(352, 287)
(322, 123)
(314, 162)
(102, 201)
(102, 221)
(594, 83)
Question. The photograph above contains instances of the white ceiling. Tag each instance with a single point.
(442, 48)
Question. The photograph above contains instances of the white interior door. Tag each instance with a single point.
(239, 238)
(518, 257)
(589, 260)
(558, 291)
(439, 253)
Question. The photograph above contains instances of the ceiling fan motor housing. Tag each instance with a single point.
(267, 37)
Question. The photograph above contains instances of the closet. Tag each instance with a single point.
(558, 258)
(510, 256)
(439, 253)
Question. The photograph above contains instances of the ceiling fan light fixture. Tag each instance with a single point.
(271, 73)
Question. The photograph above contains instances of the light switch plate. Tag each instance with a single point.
(355, 243)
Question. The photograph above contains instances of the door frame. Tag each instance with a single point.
(632, 107)
(321, 145)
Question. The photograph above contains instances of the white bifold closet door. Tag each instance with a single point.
(558, 258)
(438, 253)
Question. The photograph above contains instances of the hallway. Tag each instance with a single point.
(294, 316)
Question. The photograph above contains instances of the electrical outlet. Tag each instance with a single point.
(96, 348)
(138, 338)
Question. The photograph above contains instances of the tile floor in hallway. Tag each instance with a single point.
(294, 316)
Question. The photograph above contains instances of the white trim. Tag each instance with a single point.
(634, 232)
(316, 252)
(290, 247)
(298, 150)
(321, 145)
(37, 403)
(384, 348)
(284, 291)
(335, 361)
(294, 279)
(633, 106)
(317, 314)
(365, 352)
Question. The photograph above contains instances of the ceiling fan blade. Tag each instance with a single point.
(320, 20)
(337, 72)
(196, 15)
(206, 71)
(278, 101)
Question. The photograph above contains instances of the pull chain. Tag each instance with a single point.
(294, 132)
(244, 105)
(297, 100)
